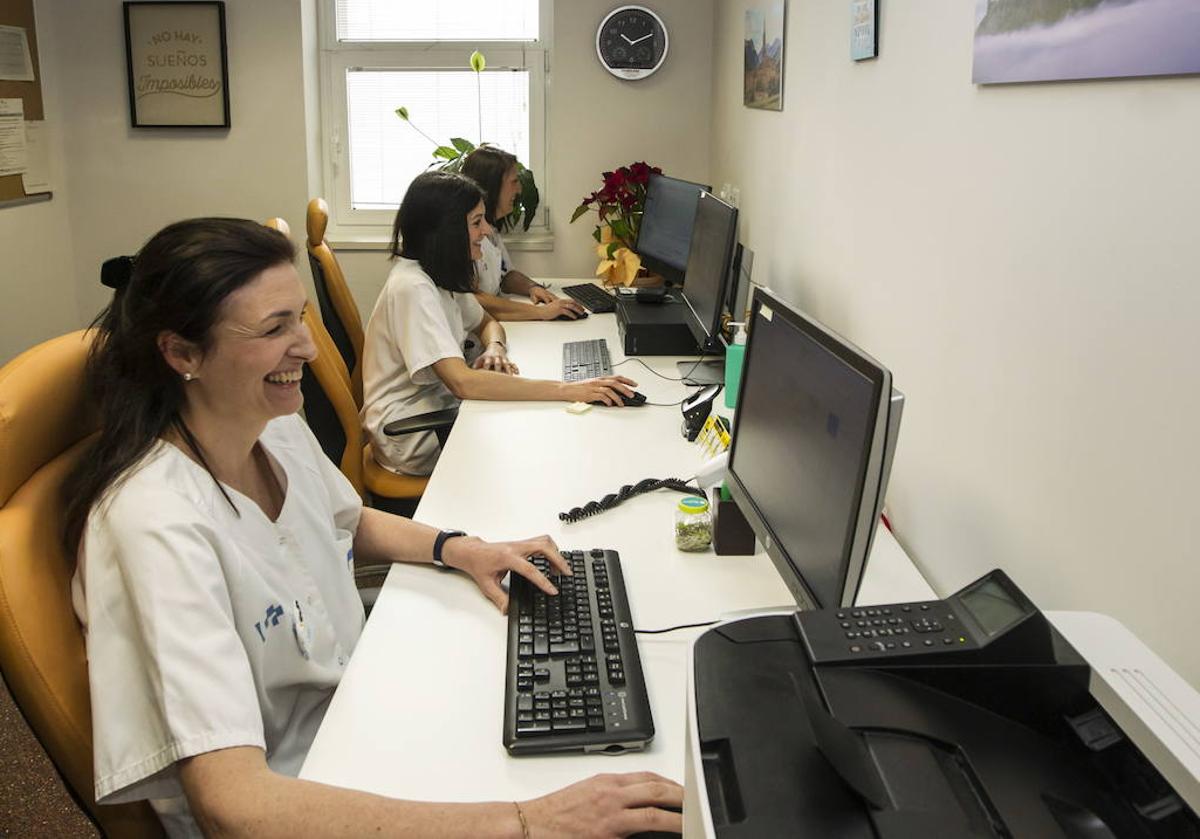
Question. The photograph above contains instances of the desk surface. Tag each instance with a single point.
(419, 711)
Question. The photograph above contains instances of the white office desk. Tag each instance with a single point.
(419, 712)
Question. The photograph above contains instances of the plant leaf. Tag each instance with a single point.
(447, 152)
(580, 210)
(463, 146)
(402, 112)
(478, 62)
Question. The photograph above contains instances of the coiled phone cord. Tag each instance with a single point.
(624, 494)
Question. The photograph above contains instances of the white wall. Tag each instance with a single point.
(35, 239)
(598, 122)
(126, 183)
(1023, 258)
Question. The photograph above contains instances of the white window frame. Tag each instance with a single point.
(373, 227)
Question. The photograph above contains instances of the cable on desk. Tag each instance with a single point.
(673, 628)
(683, 379)
(648, 367)
(592, 508)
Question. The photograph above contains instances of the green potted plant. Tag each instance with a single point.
(449, 157)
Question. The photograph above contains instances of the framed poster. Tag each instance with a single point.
(177, 62)
(864, 32)
(1033, 41)
(762, 77)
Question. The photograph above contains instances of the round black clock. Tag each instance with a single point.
(631, 42)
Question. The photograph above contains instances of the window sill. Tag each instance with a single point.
(515, 242)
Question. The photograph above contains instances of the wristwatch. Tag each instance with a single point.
(440, 542)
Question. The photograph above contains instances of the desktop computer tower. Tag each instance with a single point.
(654, 328)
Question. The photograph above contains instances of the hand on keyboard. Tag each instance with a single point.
(605, 390)
(487, 563)
(607, 806)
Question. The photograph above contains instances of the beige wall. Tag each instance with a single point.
(1023, 258)
(598, 122)
(126, 183)
(35, 239)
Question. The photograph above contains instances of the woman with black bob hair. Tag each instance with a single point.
(497, 173)
(215, 547)
(413, 360)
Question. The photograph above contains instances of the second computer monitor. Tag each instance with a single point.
(714, 237)
(665, 234)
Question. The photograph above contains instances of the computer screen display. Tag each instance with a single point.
(665, 234)
(811, 450)
(714, 237)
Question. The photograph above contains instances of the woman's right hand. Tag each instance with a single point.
(607, 807)
(609, 390)
(559, 307)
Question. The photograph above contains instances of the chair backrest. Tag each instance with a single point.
(338, 309)
(329, 406)
(44, 429)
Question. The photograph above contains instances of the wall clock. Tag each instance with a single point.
(631, 42)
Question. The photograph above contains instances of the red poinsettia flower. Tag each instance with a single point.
(619, 202)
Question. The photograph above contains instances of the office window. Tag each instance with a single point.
(379, 55)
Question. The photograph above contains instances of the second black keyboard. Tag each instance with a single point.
(574, 678)
(592, 296)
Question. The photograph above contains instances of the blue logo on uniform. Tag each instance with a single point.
(274, 613)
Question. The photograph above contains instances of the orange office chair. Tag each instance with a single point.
(44, 426)
(338, 309)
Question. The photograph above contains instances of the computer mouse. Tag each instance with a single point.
(581, 316)
(635, 401)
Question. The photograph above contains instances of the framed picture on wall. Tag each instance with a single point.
(177, 62)
(763, 47)
(1031, 41)
(864, 29)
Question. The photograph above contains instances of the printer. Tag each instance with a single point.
(973, 716)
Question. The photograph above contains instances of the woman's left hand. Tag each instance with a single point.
(488, 562)
(495, 357)
(541, 294)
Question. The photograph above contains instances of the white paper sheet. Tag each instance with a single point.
(12, 137)
(16, 64)
(37, 169)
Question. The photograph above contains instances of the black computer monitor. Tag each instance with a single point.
(665, 234)
(740, 273)
(714, 237)
(813, 438)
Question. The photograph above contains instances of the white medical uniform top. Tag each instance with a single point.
(414, 324)
(490, 270)
(207, 629)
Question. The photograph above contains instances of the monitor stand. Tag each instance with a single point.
(705, 371)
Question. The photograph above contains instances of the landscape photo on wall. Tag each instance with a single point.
(763, 78)
(1047, 40)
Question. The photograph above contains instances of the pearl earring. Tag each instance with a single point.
(187, 377)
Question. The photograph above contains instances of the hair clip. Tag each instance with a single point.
(115, 272)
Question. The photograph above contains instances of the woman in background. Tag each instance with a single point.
(496, 173)
(215, 566)
(413, 358)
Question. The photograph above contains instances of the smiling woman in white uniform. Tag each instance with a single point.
(215, 578)
(413, 358)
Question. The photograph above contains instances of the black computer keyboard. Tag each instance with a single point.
(585, 360)
(574, 680)
(592, 296)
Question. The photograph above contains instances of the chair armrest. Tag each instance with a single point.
(421, 422)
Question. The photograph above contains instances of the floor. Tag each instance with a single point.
(33, 801)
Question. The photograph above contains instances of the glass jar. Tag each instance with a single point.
(693, 524)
